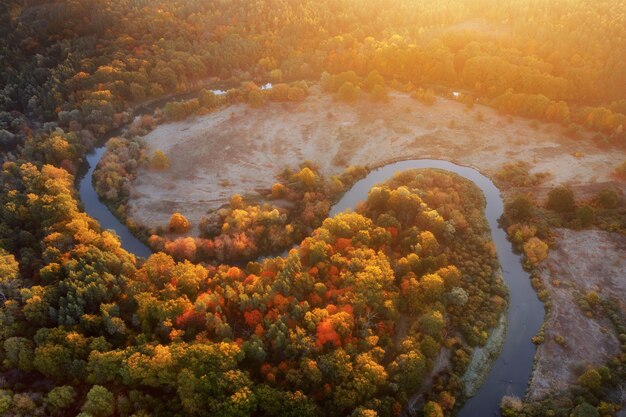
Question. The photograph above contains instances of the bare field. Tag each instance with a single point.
(239, 149)
(582, 261)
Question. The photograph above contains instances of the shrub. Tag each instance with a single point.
(585, 410)
(256, 97)
(585, 215)
(425, 96)
(536, 250)
(208, 99)
(510, 406)
(561, 199)
(160, 161)
(608, 198)
(591, 380)
(178, 223)
(519, 209)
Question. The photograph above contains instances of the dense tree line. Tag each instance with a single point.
(75, 64)
(318, 332)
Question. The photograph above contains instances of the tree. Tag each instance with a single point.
(591, 380)
(256, 97)
(348, 92)
(432, 409)
(561, 199)
(432, 324)
(9, 276)
(379, 93)
(208, 99)
(536, 250)
(373, 79)
(19, 353)
(520, 209)
(100, 402)
(608, 198)
(510, 406)
(408, 369)
(585, 410)
(160, 161)
(60, 398)
(178, 223)
(585, 215)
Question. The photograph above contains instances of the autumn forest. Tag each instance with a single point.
(240, 145)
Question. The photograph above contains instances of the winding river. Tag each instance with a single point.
(511, 371)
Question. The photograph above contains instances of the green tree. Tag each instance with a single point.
(100, 402)
(591, 380)
(585, 410)
(61, 398)
(19, 353)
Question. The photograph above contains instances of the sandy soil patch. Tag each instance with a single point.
(240, 149)
(582, 261)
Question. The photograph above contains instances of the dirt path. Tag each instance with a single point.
(240, 149)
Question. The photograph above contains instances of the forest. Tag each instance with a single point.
(351, 320)
(354, 319)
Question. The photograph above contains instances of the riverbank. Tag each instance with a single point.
(483, 358)
(581, 263)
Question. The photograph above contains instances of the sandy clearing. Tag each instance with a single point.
(239, 149)
(582, 261)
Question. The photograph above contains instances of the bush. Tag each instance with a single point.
(518, 174)
(208, 99)
(608, 198)
(519, 209)
(536, 250)
(425, 96)
(561, 199)
(585, 215)
(256, 97)
(510, 406)
(160, 161)
(591, 380)
(178, 223)
(585, 410)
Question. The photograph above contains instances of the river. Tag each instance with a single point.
(512, 369)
